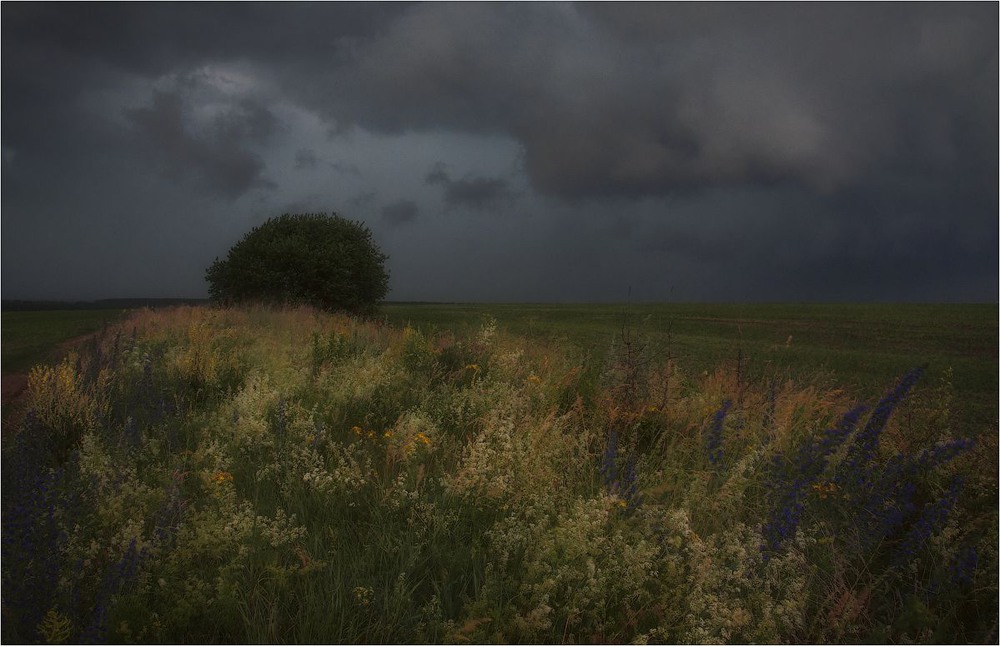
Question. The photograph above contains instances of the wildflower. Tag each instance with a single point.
(793, 477)
(629, 486)
(609, 467)
(387, 434)
(357, 430)
(942, 452)
(117, 577)
(222, 477)
(933, 516)
(852, 471)
(713, 435)
(963, 566)
(421, 437)
(824, 489)
(884, 497)
(535, 379)
(625, 484)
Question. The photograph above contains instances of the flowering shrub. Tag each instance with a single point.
(252, 475)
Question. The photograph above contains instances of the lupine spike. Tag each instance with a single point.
(713, 435)
(609, 466)
(931, 519)
(865, 444)
(806, 468)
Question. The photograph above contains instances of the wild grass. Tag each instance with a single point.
(858, 347)
(249, 475)
(29, 337)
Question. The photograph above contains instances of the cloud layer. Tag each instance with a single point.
(511, 151)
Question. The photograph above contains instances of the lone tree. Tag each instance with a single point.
(315, 259)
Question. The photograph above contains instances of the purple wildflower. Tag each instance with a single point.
(629, 486)
(963, 566)
(933, 516)
(609, 466)
(713, 434)
(885, 498)
(623, 483)
(116, 580)
(853, 470)
(792, 479)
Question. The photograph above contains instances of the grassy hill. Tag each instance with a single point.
(245, 475)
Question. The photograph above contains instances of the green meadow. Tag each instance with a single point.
(858, 347)
(29, 338)
(509, 474)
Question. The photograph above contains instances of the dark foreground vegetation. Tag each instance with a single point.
(248, 475)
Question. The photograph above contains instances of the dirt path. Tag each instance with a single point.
(15, 384)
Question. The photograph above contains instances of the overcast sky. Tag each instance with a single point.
(510, 152)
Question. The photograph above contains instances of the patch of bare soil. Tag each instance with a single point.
(15, 384)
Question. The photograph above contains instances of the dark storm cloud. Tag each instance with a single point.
(215, 158)
(779, 150)
(401, 212)
(362, 202)
(629, 99)
(345, 168)
(659, 99)
(153, 39)
(471, 191)
(305, 158)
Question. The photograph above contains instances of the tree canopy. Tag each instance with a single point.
(316, 259)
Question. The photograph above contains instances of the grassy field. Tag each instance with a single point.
(247, 475)
(30, 338)
(239, 475)
(861, 348)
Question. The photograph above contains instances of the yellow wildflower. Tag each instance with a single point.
(420, 437)
(387, 434)
(824, 489)
(535, 379)
(222, 477)
(473, 367)
(357, 430)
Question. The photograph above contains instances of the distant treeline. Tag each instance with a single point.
(103, 304)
